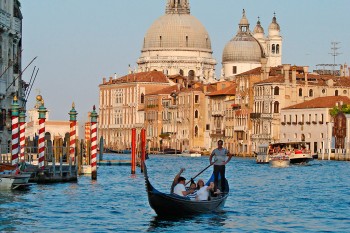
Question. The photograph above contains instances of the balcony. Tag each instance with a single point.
(262, 136)
(217, 133)
(240, 128)
(255, 115)
(218, 113)
(267, 115)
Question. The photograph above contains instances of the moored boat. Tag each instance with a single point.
(11, 177)
(187, 153)
(170, 205)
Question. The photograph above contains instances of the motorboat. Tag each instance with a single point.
(188, 153)
(280, 160)
(297, 152)
(262, 156)
(12, 178)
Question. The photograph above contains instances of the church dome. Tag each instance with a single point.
(177, 30)
(243, 47)
(274, 25)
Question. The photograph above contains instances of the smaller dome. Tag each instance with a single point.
(274, 25)
(258, 28)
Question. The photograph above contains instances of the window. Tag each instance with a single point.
(277, 49)
(207, 127)
(196, 131)
(196, 99)
(311, 92)
(276, 107)
(345, 92)
(160, 41)
(323, 91)
(234, 69)
(336, 93)
(191, 73)
(273, 48)
(277, 91)
(300, 92)
(186, 41)
(196, 114)
(142, 98)
(181, 72)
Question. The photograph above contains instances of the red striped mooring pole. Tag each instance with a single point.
(94, 144)
(73, 133)
(133, 151)
(22, 130)
(143, 148)
(15, 131)
(41, 143)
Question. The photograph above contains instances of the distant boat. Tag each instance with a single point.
(171, 151)
(187, 153)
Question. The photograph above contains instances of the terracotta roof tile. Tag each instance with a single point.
(230, 90)
(166, 90)
(321, 102)
(151, 76)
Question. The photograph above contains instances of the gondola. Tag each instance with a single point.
(171, 205)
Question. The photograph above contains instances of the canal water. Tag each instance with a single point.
(312, 198)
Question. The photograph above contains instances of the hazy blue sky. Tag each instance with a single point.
(78, 42)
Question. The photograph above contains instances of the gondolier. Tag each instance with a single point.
(219, 162)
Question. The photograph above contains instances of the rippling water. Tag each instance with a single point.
(313, 198)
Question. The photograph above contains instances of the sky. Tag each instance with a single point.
(78, 42)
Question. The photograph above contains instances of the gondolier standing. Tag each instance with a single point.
(219, 162)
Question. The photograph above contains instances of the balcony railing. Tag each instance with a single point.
(217, 132)
(218, 113)
(255, 115)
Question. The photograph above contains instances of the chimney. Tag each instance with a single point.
(286, 68)
(294, 75)
(104, 80)
(306, 70)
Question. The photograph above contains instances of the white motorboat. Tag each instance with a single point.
(12, 178)
(280, 160)
(187, 153)
(262, 156)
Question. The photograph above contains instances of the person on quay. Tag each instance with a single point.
(219, 162)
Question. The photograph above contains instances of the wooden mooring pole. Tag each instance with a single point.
(133, 151)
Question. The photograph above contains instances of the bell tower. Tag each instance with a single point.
(178, 7)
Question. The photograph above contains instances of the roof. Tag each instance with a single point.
(230, 90)
(321, 102)
(166, 90)
(150, 76)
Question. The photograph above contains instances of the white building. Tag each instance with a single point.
(11, 82)
(310, 122)
(244, 51)
(178, 43)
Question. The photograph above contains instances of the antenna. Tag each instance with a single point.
(334, 52)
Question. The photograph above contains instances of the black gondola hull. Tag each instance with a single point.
(172, 205)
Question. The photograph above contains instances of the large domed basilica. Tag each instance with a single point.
(178, 43)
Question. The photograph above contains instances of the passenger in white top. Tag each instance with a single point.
(180, 189)
(203, 192)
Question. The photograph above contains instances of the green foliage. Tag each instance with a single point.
(335, 110)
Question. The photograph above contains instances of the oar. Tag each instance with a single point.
(199, 173)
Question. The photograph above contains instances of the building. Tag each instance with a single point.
(178, 43)
(122, 104)
(246, 49)
(311, 122)
(11, 83)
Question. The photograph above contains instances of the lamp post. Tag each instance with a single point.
(174, 96)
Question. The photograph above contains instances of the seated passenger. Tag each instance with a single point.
(176, 180)
(203, 190)
(180, 189)
(193, 188)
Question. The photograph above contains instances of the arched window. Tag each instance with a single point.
(277, 91)
(276, 106)
(300, 92)
(311, 92)
(142, 98)
(196, 114)
(273, 49)
(277, 49)
(186, 41)
(336, 93)
(191, 73)
(160, 41)
(181, 72)
(196, 131)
